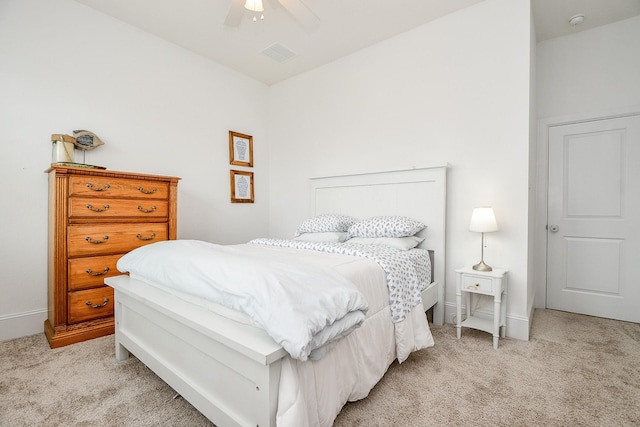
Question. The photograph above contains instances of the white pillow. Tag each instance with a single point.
(329, 236)
(325, 223)
(386, 226)
(402, 243)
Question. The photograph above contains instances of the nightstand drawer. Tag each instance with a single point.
(477, 284)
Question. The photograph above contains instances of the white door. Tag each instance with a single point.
(593, 237)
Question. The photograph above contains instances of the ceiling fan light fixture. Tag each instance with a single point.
(254, 5)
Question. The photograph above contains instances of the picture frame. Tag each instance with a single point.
(240, 149)
(241, 186)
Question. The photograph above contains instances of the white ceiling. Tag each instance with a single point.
(345, 26)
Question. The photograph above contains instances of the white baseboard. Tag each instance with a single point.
(517, 326)
(29, 323)
(19, 325)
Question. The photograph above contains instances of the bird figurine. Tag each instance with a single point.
(86, 140)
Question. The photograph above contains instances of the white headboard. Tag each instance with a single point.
(416, 193)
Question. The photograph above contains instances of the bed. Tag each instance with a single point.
(235, 373)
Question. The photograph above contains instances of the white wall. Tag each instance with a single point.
(590, 74)
(159, 109)
(455, 90)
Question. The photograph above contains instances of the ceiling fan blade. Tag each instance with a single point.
(235, 14)
(301, 14)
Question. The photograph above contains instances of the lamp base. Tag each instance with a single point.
(481, 266)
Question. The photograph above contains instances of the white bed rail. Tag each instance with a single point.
(175, 339)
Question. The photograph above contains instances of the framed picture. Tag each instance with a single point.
(240, 149)
(241, 186)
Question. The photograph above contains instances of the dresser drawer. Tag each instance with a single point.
(90, 304)
(90, 272)
(103, 239)
(85, 207)
(477, 283)
(109, 187)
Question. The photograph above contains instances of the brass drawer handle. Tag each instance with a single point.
(96, 242)
(91, 208)
(104, 188)
(153, 236)
(141, 209)
(99, 273)
(90, 304)
(142, 190)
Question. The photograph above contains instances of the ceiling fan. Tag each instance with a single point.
(296, 8)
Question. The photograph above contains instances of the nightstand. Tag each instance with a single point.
(490, 283)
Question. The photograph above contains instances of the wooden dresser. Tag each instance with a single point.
(95, 217)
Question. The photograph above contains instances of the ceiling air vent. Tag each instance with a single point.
(279, 52)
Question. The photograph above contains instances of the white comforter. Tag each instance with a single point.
(303, 306)
(312, 393)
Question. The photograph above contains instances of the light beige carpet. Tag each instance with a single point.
(575, 371)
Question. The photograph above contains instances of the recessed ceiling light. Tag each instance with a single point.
(576, 19)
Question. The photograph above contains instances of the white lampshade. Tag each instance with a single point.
(254, 5)
(483, 220)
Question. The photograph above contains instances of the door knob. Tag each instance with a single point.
(554, 228)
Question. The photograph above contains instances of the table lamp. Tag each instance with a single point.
(483, 221)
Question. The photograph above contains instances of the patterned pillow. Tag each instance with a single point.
(385, 226)
(325, 223)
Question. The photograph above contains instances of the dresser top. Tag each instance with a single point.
(69, 170)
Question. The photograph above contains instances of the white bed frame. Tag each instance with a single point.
(230, 371)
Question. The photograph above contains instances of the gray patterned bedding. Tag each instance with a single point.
(408, 272)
